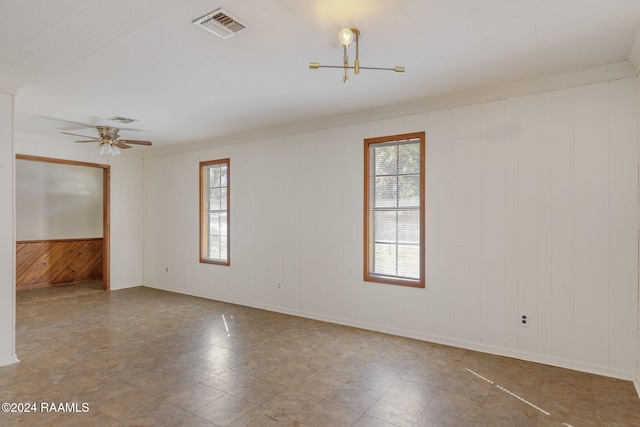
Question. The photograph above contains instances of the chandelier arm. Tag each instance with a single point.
(356, 64)
(378, 68)
(345, 58)
(396, 69)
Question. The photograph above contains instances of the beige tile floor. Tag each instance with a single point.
(143, 357)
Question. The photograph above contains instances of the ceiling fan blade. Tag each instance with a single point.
(88, 140)
(122, 145)
(84, 136)
(135, 141)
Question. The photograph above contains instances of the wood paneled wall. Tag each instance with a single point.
(532, 208)
(42, 263)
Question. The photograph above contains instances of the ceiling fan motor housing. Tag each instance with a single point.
(108, 132)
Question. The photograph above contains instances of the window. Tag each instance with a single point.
(214, 212)
(394, 226)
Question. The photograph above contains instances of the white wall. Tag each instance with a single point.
(58, 201)
(126, 204)
(7, 236)
(531, 208)
(637, 379)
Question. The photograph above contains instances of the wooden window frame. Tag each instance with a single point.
(204, 213)
(369, 276)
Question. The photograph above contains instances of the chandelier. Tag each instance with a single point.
(346, 37)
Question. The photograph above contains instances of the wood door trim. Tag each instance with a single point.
(106, 208)
(59, 240)
(106, 229)
(61, 161)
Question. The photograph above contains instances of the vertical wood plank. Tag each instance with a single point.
(512, 128)
(460, 226)
(439, 262)
(492, 278)
(336, 177)
(476, 131)
(528, 220)
(543, 317)
(591, 217)
(562, 202)
(623, 225)
(353, 199)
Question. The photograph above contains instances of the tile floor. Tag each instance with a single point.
(144, 357)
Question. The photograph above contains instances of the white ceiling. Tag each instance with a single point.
(80, 62)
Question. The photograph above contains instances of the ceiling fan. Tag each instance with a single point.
(110, 141)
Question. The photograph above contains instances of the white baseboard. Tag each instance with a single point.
(9, 360)
(131, 285)
(468, 345)
(636, 383)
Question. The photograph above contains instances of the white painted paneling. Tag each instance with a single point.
(511, 305)
(438, 219)
(531, 207)
(591, 224)
(127, 227)
(492, 216)
(562, 207)
(352, 202)
(527, 218)
(244, 181)
(334, 268)
(461, 278)
(268, 236)
(623, 229)
(543, 319)
(475, 196)
(7, 233)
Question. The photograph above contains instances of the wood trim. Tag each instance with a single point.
(204, 217)
(106, 228)
(61, 161)
(106, 207)
(59, 240)
(367, 221)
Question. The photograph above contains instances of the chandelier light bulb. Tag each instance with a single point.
(345, 36)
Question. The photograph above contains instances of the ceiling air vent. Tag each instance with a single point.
(121, 119)
(220, 23)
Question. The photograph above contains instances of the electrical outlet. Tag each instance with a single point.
(166, 270)
(279, 285)
(524, 320)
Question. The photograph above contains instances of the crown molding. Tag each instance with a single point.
(9, 87)
(607, 72)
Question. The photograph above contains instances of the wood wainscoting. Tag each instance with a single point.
(41, 263)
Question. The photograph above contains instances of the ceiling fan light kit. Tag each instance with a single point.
(109, 141)
(346, 37)
(108, 148)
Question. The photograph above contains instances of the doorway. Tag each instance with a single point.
(104, 245)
